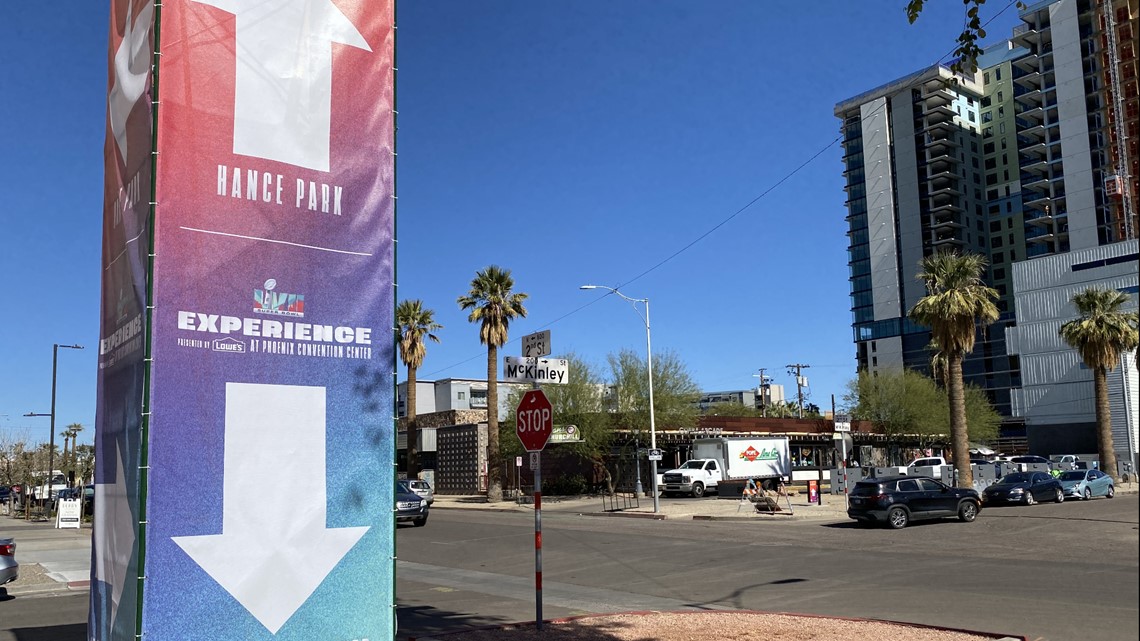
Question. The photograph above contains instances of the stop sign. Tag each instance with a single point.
(534, 420)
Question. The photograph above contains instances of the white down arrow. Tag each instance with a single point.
(274, 549)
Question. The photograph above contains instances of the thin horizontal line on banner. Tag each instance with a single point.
(280, 242)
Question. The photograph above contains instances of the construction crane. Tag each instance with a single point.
(1122, 180)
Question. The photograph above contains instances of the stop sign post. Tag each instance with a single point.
(534, 421)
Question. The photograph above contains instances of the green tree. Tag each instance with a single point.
(493, 305)
(972, 32)
(580, 402)
(898, 402)
(414, 324)
(957, 301)
(903, 402)
(675, 394)
(1101, 334)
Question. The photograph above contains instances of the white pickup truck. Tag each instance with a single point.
(728, 459)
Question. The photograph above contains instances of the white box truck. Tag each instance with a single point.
(728, 459)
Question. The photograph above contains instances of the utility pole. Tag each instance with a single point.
(801, 382)
(764, 396)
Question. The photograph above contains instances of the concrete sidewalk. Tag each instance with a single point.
(794, 507)
(51, 559)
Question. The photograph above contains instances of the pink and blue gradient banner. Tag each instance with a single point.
(271, 436)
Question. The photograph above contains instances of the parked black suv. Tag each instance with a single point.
(898, 500)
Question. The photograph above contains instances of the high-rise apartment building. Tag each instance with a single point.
(1033, 156)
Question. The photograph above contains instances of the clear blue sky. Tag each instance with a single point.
(571, 142)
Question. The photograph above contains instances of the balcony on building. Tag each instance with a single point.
(1033, 165)
(945, 185)
(945, 221)
(935, 95)
(1043, 234)
(942, 163)
(951, 240)
(939, 147)
(944, 204)
(1033, 180)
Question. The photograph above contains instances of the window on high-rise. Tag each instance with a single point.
(997, 73)
(997, 242)
(999, 97)
(987, 116)
(971, 115)
(986, 77)
(999, 257)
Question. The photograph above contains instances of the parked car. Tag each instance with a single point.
(409, 505)
(422, 489)
(1030, 460)
(5, 492)
(898, 500)
(1024, 487)
(1085, 484)
(9, 568)
(1064, 458)
(927, 461)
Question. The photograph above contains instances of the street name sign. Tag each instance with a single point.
(536, 345)
(534, 420)
(842, 423)
(520, 369)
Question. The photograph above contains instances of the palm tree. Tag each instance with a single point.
(937, 362)
(956, 301)
(414, 322)
(1101, 334)
(493, 305)
(70, 434)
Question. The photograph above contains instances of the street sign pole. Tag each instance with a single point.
(538, 544)
(533, 425)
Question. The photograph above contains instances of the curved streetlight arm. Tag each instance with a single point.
(649, 369)
(632, 301)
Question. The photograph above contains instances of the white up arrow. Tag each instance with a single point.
(274, 549)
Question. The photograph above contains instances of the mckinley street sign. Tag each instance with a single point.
(519, 369)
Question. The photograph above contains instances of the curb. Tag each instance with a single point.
(440, 636)
(43, 589)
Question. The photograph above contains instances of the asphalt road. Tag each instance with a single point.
(1053, 572)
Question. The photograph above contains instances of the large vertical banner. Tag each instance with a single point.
(268, 510)
(128, 175)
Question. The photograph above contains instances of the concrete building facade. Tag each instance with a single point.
(1047, 169)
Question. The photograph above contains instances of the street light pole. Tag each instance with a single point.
(649, 365)
(51, 437)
